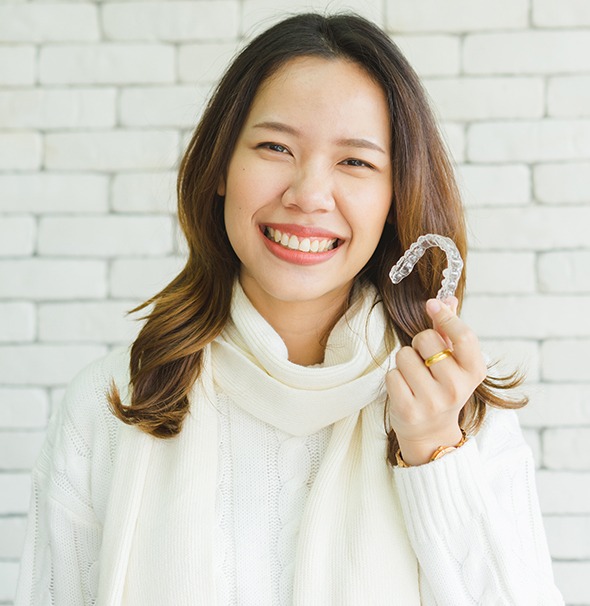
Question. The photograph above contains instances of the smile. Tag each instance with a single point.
(292, 242)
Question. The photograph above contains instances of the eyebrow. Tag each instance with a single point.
(354, 142)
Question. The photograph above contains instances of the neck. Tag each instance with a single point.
(302, 325)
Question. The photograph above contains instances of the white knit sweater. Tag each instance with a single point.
(472, 517)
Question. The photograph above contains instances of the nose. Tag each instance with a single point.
(310, 190)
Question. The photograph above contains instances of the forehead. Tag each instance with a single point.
(319, 92)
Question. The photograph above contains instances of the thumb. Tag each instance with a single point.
(439, 312)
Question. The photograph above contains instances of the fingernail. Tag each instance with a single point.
(434, 305)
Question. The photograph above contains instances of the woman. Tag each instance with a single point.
(284, 430)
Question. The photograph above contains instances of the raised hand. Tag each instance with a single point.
(425, 401)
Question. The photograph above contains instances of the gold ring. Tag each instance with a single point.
(437, 357)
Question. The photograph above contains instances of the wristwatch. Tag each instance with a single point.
(441, 451)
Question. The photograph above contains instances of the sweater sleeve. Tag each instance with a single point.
(474, 522)
(59, 564)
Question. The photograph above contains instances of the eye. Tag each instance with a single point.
(357, 162)
(277, 147)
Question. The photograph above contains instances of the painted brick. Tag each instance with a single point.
(431, 55)
(561, 492)
(111, 151)
(153, 192)
(531, 437)
(572, 579)
(185, 138)
(180, 244)
(172, 21)
(22, 408)
(494, 185)
(204, 62)
(532, 52)
(44, 364)
(557, 404)
(565, 360)
(565, 272)
(48, 193)
(499, 272)
(106, 64)
(20, 151)
(104, 322)
(472, 76)
(564, 534)
(17, 236)
(566, 448)
(57, 396)
(559, 13)
(179, 106)
(528, 317)
(15, 489)
(532, 228)
(454, 136)
(55, 108)
(12, 531)
(62, 22)
(8, 579)
(562, 183)
(512, 355)
(142, 278)
(105, 236)
(465, 99)
(17, 322)
(52, 279)
(539, 141)
(455, 15)
(17, 65)
(569, 96)
(19, 449)
(258, 15)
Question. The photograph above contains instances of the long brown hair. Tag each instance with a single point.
(167, 356)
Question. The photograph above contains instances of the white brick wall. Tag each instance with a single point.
(97, 100)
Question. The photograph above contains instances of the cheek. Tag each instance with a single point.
(369, 219)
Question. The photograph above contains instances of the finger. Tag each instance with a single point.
(428, 343)
(417, 375)
(397, 387)
(464, 341)
(453, 304)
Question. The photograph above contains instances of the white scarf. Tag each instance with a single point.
(352, 547)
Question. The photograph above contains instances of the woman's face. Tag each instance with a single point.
(308, 186)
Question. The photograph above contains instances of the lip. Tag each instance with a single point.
(298, 257)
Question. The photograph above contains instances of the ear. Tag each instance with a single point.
(221, 187)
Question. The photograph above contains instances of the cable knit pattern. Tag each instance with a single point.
(294, 470)
(237, 510)
(288, 466)
(478, 507)
(67, 500)
(224, 552)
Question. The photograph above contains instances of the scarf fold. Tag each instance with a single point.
(251, 366)
(352, 546)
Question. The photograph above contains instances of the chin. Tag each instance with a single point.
(289, 290)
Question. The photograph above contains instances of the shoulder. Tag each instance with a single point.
(77, 456)
(82, 423)
(86, 397)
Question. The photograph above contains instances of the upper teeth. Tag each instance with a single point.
(294, 243)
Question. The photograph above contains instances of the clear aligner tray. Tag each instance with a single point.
(451, 274)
